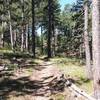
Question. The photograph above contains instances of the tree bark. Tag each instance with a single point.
(49, 30)
(15, 38)
(56, 40)
(33, 28)
(96, 46)
(1, 36)
(41, 40)
(53, 39)
(26, 38)
(86, 42)
(22, 35)
(11, 31)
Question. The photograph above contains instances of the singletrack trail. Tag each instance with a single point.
(33, 81)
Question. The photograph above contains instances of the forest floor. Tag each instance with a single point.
(29, 79)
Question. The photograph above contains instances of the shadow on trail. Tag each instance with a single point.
(24, 86)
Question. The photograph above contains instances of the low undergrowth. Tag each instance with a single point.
(74, 68)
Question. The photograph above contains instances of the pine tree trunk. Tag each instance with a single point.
(49, 30)
(33, 28)
(22, 34)
(80, 49)
(96, 46)
(56, 39)
(1, 40)
(53, 39)
(15, 38)
(41, 40)
(26, 38)
(1, 36)
(11, 31)
(86, 42)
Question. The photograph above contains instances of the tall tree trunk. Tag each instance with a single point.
(80, 49)
(53, 39)
(33, 28)
(15, 38)
(55, 42)
(1, 36)
(26, 38)
(96, 46)
(56, 39)
(41, 40)
(11, 31)
(49, 30)
(1, 41)
(22, 34)
(86, 42)
(22, 41)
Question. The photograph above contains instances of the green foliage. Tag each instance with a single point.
(69, 25)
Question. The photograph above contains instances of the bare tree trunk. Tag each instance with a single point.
(33, 28)
(56, 39)
(41, 40)
(22, 41)
(22, 35)
(96, 46)
(26, 38)
(53, 39)
(49, 30)
(1, 40)
(86, 42)
(80, 49)
(15, 38)
(1, 36)
(11, 31)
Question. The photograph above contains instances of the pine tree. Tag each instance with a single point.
(33, 27)
(86, 41)
(96, 46)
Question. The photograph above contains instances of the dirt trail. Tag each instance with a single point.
(38, 85)
(46, 75)
(48, 70)
(23, 86)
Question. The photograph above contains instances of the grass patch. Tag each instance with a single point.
(75, 69)
(58, 97)
(5, 51)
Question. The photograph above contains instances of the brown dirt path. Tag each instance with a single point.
(23, 86)
(48, 70)
(35, 86)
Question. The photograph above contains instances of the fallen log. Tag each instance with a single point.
(69, 83)
(59, 83)
(78, 91)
